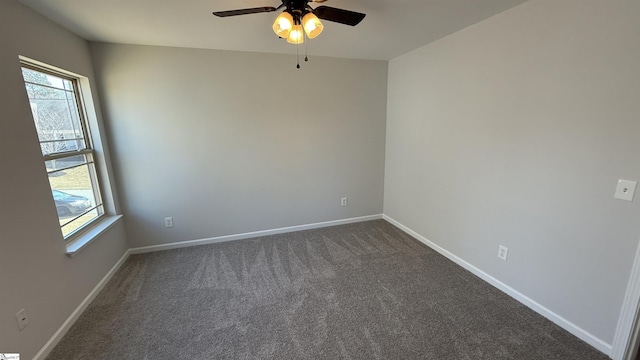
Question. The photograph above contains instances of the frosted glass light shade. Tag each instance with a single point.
(296, 36)
(283, 24)
(312, 25)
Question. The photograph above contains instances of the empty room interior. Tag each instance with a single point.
(442, 180)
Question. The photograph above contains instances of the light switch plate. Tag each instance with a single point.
(625, 190)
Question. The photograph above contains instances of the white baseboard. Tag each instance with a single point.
(532, 304)
(55, 339)
(253, 234)
(625, 339)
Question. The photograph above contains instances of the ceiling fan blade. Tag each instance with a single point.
(339, 15)
(244, 11)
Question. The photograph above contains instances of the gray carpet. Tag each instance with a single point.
(358, 291)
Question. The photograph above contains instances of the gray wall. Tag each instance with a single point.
(514, 131)
(233, 142)
(35, 273)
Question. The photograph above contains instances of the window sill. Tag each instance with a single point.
(79, 243)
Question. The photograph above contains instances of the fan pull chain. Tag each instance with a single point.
(306, 58)
(297, 58)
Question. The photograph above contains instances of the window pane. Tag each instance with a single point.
(81, 221)
(65, 163)
(75, 180)
(36, 77)
(68, 85)
(55, 113)
(73, 192)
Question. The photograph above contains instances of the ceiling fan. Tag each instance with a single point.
(299, 16)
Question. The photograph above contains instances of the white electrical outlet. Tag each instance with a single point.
(168, 222)
(343, 201)
(22, 319)
(625, 190)
(502, 252)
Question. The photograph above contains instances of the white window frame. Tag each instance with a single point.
(98, 169)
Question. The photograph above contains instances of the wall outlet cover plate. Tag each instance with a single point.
(625, 190)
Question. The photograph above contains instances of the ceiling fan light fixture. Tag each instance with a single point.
(296, 36)
(283, 25)
(312, 25)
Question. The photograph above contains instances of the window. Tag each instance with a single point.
(68, 154)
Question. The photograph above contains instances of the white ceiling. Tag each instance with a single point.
(391, 27)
